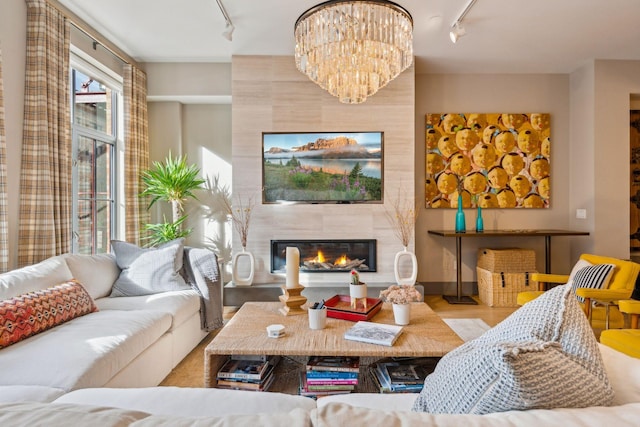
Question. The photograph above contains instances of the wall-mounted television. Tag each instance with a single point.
(323, 167)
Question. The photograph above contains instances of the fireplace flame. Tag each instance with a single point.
(343, 260)
(320, 257)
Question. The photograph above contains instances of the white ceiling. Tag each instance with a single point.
(503, 36)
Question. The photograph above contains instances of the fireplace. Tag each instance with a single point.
(326, 256)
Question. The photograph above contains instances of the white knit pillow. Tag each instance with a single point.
(542, 356)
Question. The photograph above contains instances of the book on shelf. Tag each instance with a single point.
(338, 375)
(333, 363)
(373, 333)
(385, 387)
(246, 369)
(401, 373)
(349, 381)
(256, 357)
(248, 385)
(303, 389)
(324, 387)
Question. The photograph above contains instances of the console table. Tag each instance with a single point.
(547, 234)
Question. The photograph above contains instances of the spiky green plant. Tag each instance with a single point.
(166, 231)
(173, 181)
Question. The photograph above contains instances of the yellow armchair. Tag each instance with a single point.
(605, 314)
(625, 340)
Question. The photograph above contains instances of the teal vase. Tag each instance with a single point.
(479, 222)
(460, 224)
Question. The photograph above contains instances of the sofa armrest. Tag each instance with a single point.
(604, 295)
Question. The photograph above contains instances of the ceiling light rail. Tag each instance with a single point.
(457, 29)
(228, 29)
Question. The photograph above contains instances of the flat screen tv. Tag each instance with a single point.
(328, 167)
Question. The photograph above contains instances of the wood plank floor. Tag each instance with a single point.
(190, 372)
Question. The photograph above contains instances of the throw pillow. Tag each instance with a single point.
(542, 356)
(148, 270)
(34, 312)
(593, 277)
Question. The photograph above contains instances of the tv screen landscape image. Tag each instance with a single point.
(330, 167)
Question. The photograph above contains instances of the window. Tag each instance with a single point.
(95, 123)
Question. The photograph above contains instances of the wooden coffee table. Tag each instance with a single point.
(245, 334)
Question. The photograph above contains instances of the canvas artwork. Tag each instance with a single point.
(329, 167)
(500, 160)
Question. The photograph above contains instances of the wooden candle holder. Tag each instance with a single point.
(292, 301)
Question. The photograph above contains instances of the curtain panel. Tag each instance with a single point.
(45, 177)
(4, 225)
(136, 152)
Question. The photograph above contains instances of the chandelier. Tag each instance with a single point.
(354, 48)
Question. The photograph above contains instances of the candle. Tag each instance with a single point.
(293, 267)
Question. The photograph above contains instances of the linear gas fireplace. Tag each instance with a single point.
(326, 256)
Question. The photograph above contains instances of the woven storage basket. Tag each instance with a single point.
(511, 260)
(500, 289)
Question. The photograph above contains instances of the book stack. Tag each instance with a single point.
(327, 375)
(403, 376)
(253, 373)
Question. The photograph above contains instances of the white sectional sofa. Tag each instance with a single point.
(216, 407)
(132, 341)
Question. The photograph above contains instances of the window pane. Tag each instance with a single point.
(85, 167)
(85, 227)
(103, 170)
(103, 226)
(93, 104)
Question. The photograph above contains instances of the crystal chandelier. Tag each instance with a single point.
(354, 48)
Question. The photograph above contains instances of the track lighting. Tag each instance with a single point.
(228, 30)
(457, 29)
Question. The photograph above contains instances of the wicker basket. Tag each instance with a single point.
(511, 260)
(500, 289)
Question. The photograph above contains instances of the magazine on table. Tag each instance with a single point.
(373, 333)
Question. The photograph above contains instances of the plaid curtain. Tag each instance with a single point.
(45, 178)
(136, 151)
(4, 225)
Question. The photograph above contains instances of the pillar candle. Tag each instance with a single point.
(293, 267)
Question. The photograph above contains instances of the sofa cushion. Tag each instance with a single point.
(97, 273)
(181, 305)
(45, 274)
(29, 393)
(542, 356)
(195, 402)
(624, 374)
(592, 277)
(148, 271)
(336, 414)
(84, 352)
(29, 314)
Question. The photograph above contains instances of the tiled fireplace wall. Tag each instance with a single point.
(271, 95)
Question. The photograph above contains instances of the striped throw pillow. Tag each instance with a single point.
(595, 276)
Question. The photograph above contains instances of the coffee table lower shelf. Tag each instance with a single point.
(287, 375)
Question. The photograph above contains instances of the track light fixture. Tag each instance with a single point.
(228, 29)
(457, 29)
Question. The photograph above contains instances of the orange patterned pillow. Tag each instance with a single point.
(28, 314)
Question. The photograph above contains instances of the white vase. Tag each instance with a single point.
(407, 280)
(235, 262)
(402, 313)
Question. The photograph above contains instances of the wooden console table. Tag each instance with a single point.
(547, 234)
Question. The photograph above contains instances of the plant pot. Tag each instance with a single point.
(402, 313)
(235, 273)
(357, 291)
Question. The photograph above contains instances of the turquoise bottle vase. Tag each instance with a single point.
(460, 224)
(479, 222)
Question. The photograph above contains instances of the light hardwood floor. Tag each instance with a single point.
(190, 372)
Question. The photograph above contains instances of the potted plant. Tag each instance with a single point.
(357, 290)
(401, 296)
(173, 181)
